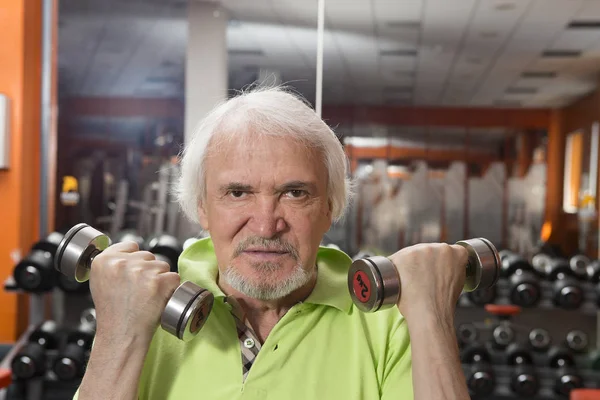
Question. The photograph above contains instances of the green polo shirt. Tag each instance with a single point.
(323, 348)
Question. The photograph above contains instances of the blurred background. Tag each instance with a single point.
(460, 119)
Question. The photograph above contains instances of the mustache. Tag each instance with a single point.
(275, 244)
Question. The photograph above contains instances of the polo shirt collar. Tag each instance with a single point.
(198, 263)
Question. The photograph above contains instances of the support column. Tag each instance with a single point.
(206, 65)
(206, 71)
(20, 82)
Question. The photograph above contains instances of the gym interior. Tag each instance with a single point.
(460, 119)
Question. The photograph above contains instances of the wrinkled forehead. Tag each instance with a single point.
(263, 156)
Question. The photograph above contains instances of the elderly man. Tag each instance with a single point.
(266, 177)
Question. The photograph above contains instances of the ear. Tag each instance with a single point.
(203, 217)
(329, 214)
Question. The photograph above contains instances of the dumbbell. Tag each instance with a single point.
(70, 362)
(503, 335)
(540, 262)
(70, 285)
(88, 318)
(166, 248)
(579, 265)
(539, 339)
(577, 341)
(502, 254)
(482, 296)
(567, 291)
(481, 379)
(374, 283)
(187, 309)
(30, 361)
(567, 377)
(34, 273)
(523, 381)
(593, 271)
(593, 274)
(524, 287)
(467, 334)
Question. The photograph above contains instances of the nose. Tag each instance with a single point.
(267, 219)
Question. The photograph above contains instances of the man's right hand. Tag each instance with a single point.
(130, 289)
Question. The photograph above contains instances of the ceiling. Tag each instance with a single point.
(519, 53)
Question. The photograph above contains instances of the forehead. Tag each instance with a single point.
(264, 158)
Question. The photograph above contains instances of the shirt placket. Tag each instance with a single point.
(249, 343)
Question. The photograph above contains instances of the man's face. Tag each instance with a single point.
(266, 209)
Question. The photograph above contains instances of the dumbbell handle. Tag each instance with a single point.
(374, 282)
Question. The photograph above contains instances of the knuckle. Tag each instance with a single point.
(146, 255)
(163, 267)
(130, 245)
(118, 263)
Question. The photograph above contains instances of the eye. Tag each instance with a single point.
(296, 193)
(237, 194)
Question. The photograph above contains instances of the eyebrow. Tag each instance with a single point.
(292, 185)
(296, 185)
(235, 186)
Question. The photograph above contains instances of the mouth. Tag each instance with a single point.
(264, 253)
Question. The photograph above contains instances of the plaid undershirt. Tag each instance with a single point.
(249, 343)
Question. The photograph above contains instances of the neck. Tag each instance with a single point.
(264, 314)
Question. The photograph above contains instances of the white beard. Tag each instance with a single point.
(267, 290)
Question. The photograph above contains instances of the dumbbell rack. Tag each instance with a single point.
(544, 315)
(66, 317)
(36, 317)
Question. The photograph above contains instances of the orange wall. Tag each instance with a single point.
(20, 71)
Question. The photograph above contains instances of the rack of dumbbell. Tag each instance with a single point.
(49, 360)
(533, 335)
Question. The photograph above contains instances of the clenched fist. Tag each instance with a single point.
(130, 289)
(432, 276)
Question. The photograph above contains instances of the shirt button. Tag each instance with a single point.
(249, 343)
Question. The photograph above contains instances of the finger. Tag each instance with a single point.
(170, 281)
(143, 255)
(155, 267)
(462, 252)
(123, 247)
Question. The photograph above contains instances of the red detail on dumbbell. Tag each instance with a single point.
(362, 286)
(5, 378)
(502, 310)
(585, 394)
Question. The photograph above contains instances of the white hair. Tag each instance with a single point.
(270, 111)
